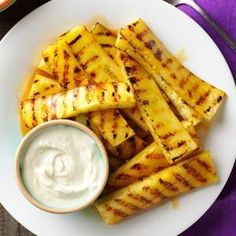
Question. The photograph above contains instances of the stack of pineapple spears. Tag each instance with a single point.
(142, 103)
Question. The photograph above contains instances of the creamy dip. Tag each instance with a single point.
(62, 167)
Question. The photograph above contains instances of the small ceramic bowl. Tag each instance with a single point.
(4, 4)
(23, 147)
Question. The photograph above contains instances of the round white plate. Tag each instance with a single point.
(19, 53)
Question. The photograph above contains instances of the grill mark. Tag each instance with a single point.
(181, 143)
(169, 61)
(139, 198)
(130, 70)
(141, 34)
(116, 212)
(123, 177)
(137, 167)
(183, 82)
(204, 165)
(168, 185)
(194, 173)
(114, 134)
(173, 75)
(155, 156)
(208, 109)
(33, 111)
(66, 55)
(92, 59)
(203, 97)
(127, 204)
(106, 45)
(75, 40)
(168, 135)
(183, 181)
(219, 99)
(155, 192)
(158, 55)
(150, 44)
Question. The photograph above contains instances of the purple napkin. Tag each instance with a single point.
(220, 219)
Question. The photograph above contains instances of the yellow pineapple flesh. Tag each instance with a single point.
(64, 66)
(82, 99)
(150, 160)
(164, 126)
(204, 98)
(44, 86)
(193, 173)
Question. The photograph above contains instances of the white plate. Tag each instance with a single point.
(19, 53)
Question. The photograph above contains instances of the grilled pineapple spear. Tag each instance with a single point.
(83, 99)
(66, 69)
(164, 126)
(64, 66)
(44, 86)
(187, 113)
(148, 161)
(101, 68)
(195, 172)
(107, 38)
(200, 95)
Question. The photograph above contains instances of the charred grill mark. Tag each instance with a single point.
(130, 70)
(139, 198)
(168, 185)
(36, 94)
(114, 134)
(116, 212)
(123, 177)
(128, 89)
(169, 61)
(155, 156)
(46, 59)
(194, 173)
(127, 205)
(203, 98)
(92, 59)
(106, 45)
(183, 181)
(33, 110)
(77, 70)
(154, 192)
(137, 167)
(158, 54)
(168, 135)
(173, 75)
(66, 55)
(130, 27)
(145, 102)
(208, 109)
(182, 83)
(219, 99)
(150, 44)
(181, 143)
(93, 74)
(75, 40)
(204, 165)
(115, 88)
(141, 34)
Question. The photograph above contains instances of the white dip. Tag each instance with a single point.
(62, 167)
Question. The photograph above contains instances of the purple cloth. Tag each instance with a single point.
(220, 219)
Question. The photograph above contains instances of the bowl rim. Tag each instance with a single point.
(28, 138)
